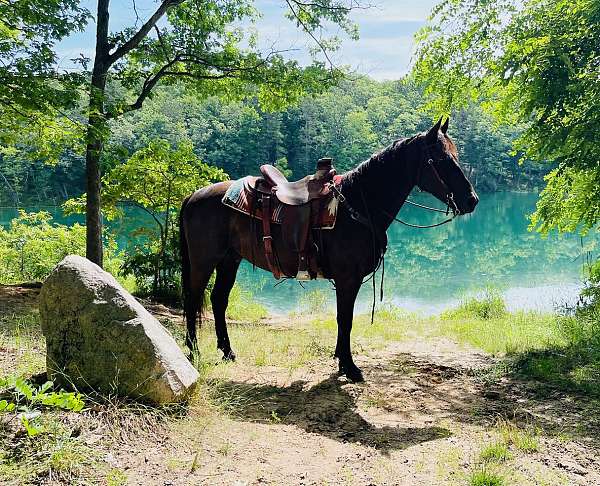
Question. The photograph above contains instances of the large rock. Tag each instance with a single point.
(100, 338)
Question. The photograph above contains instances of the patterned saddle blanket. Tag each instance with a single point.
(242, 197)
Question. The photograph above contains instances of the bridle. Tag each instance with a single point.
(449, 196)
(368, 220)
(444, 189)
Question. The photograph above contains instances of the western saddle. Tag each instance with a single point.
(303, 204)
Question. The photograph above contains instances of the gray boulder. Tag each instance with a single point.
(100, 338)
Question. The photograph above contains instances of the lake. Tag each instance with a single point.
(428, 270)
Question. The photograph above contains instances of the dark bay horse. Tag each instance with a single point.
(214, 236)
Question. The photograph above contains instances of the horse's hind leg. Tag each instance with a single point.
(194, 301)
(219, 297)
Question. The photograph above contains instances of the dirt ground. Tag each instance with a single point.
(426, 411)
(421, 418)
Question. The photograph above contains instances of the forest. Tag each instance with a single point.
(348, 122)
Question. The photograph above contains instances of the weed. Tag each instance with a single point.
(225, 448)
(116, 477)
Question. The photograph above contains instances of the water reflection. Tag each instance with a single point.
(430, 269)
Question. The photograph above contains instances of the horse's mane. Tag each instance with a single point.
(377, 158)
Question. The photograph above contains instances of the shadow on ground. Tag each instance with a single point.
(327, 409)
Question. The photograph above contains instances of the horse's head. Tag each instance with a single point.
(438, 171)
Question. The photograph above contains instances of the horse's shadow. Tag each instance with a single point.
(327, 409)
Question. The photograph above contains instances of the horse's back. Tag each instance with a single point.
(207, 193)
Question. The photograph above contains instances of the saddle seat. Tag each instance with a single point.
(300, 192)
(302, 206)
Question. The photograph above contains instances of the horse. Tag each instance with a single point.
(216, 237)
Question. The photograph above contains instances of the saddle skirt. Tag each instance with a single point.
(242, 197)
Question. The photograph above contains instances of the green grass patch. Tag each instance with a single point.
(512, 333)
(243, 307)
(525, 440)
(55, 454)
(573, 364)
(390, 324)
(496, 452)
(489, 305)
(484, 476)
(25, 346)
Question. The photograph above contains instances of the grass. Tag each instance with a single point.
(488, 305)
(390, 324)
(496, 452)
(524, 440)
(56, 454)
(552, 349)
(24, 345)
(484, 476)
(500, 332)
(242, 306)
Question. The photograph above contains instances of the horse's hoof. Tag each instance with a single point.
(355, 376)
(352, 372)
(229, 356)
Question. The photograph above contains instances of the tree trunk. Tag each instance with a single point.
(95, 137)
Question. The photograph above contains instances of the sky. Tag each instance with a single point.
(383, 51)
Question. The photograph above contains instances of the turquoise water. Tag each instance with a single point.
(430, 269)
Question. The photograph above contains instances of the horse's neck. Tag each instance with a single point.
(384, 187)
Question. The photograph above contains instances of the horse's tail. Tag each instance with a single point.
(185, 260)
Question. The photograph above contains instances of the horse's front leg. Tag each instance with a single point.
(346, 292)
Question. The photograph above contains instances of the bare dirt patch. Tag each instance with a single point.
(16, 299)
(422, 418)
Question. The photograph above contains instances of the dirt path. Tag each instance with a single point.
(428, 409)
(422, 418)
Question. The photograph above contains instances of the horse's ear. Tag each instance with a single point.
(445, 126)
(432, 134)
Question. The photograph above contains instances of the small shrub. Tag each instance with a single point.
(33, 244)
(26, 399)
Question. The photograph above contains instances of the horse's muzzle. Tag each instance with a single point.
(472, 202)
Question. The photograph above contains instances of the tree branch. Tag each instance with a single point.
(309, 31)
(139, 36)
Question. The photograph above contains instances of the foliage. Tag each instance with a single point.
(32, 88)
(26, 398)
(348, 122)
(32, 246)
(155, 178)
(537, 63)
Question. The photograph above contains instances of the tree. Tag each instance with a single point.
(193, 40)
(33, 90)
(156, 179)
(536, 63)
